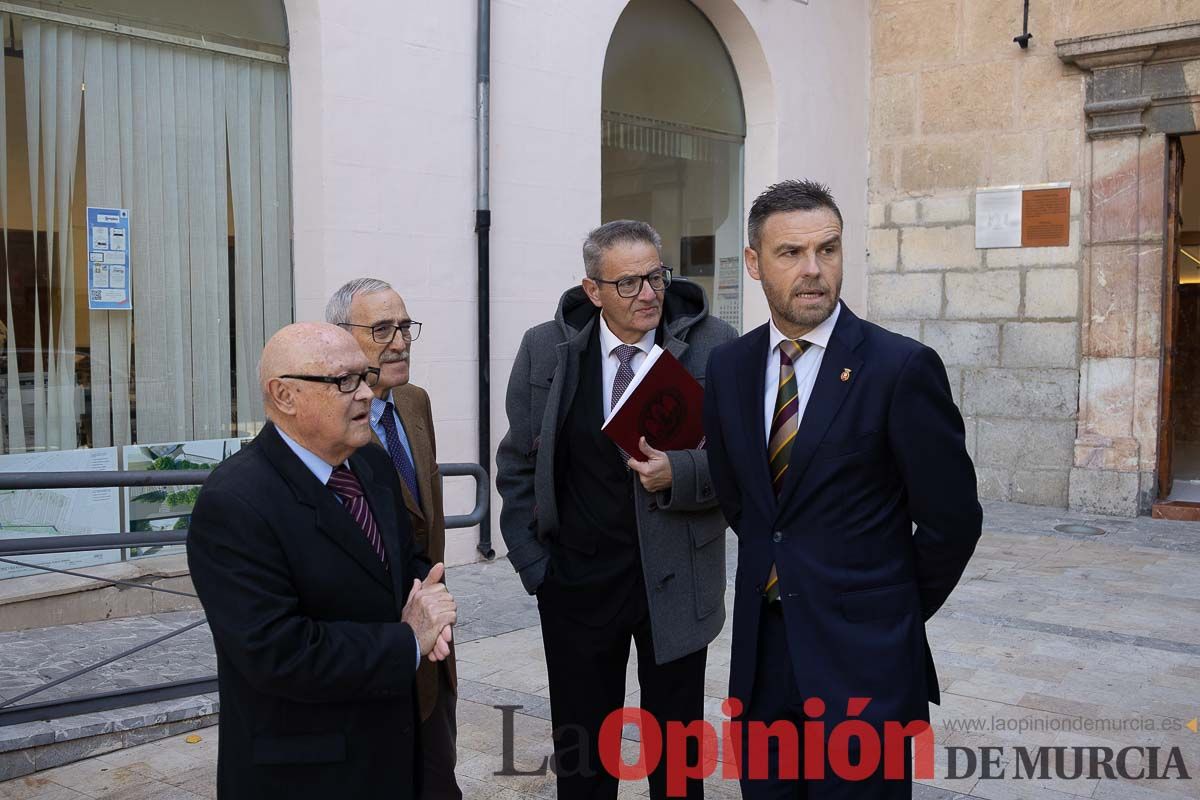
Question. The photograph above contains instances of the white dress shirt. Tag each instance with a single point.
(322, 470)
(609, 364)
(318, 466)
(806, 367)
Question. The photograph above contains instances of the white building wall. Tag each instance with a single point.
(383, 122)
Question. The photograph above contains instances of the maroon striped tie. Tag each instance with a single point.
(345, 485)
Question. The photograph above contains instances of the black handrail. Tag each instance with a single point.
(79, 543)
(12, 714)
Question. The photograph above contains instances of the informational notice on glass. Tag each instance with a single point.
(30, 513)
(166, 508)
(728, 302)
(108, 259)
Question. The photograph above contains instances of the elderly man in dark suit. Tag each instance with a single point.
(829, 439)
(616, 550)
(402, 421)
(321, 607)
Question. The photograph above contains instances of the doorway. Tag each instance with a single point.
(673, 129)
(1179, 440)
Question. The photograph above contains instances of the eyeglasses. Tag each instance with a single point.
(659, 280)
(385, 332)
(347, 383)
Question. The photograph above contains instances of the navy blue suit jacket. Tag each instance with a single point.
(880, 449)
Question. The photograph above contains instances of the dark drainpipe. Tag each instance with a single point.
(483, 224)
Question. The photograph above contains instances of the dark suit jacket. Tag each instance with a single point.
(316, 671)
(427, 518)
(879, 449)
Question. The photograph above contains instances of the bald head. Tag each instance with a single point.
(303, 348)
(316, 414)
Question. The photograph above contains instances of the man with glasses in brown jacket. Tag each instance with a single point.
(402, 421)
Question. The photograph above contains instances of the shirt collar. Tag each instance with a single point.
(378, 406)
(818, 336)
(609, 341)
(316, 465)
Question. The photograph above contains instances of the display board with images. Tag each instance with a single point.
(164, 508)
(30, 513)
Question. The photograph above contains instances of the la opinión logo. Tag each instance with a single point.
(853, 750)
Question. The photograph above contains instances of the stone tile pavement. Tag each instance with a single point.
(1052, 639)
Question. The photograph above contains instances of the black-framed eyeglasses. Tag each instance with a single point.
(659, 280)
(347, 383)
(385, 332)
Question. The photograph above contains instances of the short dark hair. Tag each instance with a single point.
(793, 195)
(620, 231)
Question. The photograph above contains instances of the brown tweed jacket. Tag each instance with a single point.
(428, 519)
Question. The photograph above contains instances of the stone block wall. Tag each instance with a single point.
(1005, 323)
(956, 105)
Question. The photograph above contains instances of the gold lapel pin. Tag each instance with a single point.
(845, 374)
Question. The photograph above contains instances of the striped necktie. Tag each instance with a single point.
(345, 485)
(784, 425)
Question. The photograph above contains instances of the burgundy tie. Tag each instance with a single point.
(345, 485)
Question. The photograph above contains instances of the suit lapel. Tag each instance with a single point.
(570, 362)
(383, 503)
(410, 502)
(330, 517)
(828, 392)
(751, 372)
(417, 426)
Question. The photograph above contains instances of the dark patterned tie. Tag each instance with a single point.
(345, 485)
(784, 425)
(625, 354)
(396, 450)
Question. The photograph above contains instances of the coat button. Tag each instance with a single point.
(778, 536)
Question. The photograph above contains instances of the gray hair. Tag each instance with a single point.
(337, 310)
(610, 234)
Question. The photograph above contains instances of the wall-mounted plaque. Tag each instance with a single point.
(1023, 216)
(1046, 217)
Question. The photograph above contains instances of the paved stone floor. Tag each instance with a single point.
(1082, 640)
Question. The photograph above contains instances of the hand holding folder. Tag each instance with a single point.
(663, 403)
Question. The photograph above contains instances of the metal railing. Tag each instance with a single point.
(12, 710)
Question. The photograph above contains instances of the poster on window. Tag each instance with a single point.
(167, 508)
(728, 305)
(34, 513)
(108, 259)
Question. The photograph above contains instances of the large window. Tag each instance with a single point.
(193, 142)
(672, 135)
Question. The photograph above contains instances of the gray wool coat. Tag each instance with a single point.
(681, 531)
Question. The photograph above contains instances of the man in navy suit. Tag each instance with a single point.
(839, 460)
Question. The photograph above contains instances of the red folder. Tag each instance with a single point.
(663, 403)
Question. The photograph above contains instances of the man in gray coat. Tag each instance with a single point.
(616, 550)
